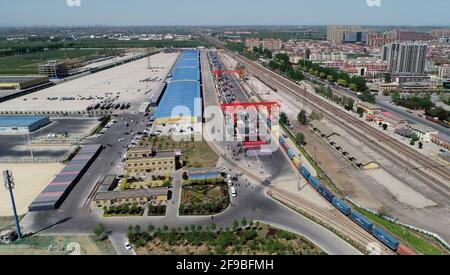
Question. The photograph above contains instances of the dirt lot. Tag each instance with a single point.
(30, 180)
(336, 168)
(61, 245)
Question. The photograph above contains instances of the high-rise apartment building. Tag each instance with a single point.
(250, 43)
(349, 34)
(376, 39)
(272, 44)
(405, 57)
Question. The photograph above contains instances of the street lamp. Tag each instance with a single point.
(9, 185)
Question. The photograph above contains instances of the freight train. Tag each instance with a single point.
(339, 204)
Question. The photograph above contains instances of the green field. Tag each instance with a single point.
(28, 63)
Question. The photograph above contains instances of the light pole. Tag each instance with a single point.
(9, 184)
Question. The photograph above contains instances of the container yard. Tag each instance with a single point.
(124, 85)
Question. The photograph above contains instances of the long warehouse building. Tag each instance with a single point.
(59, 188)
(182, 99)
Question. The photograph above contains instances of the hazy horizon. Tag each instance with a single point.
(120, 13)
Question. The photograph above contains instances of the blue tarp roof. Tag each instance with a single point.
(205, 176)
(19, 121)
(192, 74)
(180, 94)
(184, 89)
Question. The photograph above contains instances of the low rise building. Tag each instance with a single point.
(441, 140)
(138, 196)
(391, 119)
(204, 174)
(423, 132)
(369, 108)
(147, 160)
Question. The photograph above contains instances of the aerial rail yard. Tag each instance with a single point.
(415, 162)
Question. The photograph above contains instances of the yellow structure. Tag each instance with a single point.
(140, 197)
(21, 82)
(147, 160)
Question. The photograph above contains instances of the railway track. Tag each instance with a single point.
(337, 221)
(379, 141)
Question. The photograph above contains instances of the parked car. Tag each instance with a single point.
(128, 246)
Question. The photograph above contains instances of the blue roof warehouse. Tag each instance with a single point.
(182, 99)
(22, 124)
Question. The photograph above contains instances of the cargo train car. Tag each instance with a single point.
(305, 173)
(291, 153)
(361, 221)
(327, 194)
(386, 238)
(297, 162)
(315, 182)
(341, 206)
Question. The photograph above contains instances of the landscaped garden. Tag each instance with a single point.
(123, 210)
(204, 199)
(241, 238)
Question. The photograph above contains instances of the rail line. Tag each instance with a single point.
(397, 147)
(345, 226)
(367, 129)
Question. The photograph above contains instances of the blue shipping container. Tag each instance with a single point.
(342, 206)
(315, 182)
(291, 153)
(386, 238)
(305, 173)
(362, 221)
(327, 194)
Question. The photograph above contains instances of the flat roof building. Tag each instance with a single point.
(182, 99)
(22, 124)
(138, 196)
(143, 160)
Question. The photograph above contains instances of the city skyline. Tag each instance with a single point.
(201, 13)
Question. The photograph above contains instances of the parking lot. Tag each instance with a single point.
(123, 87)
(51, 142)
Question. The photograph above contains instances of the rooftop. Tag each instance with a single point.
(132, 193)
(20, 79)
(19, 121)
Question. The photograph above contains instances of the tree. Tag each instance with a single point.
(99, 232)
(165, 228)
(151, 228)
(360, 111)
(302, 118)
(300, 139)
(284, 119)
(387, 78)
(385, 127)
(342, 82)
(235, 225)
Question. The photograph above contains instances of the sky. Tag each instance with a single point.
(223, 12)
